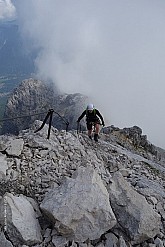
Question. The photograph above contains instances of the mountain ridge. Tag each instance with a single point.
(33, 97)
(81, 193)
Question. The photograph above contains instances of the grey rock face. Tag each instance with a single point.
(80, 206)
(4, 242)
(33, 98)
(18, 217)
(133, 140)
(127, 205)
(111, 240)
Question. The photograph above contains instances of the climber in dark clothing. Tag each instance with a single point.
(93, 117)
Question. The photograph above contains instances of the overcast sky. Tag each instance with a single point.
(111, 50)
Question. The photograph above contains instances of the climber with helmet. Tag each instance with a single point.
(93, 117)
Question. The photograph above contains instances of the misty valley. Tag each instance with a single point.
(16, 64)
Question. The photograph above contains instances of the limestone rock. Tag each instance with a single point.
(3, 166)
(59, 241)
(19, 219)
(4, 242)
(133, 212)
(80, 206)
(132, 139)
(14, 147)
(111, 240)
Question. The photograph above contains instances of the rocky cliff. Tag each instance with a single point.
(32, 100)
(70, 191)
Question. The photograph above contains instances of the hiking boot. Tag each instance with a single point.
(96, 137)
(90, 137)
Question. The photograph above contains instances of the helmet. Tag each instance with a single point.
(90, 107)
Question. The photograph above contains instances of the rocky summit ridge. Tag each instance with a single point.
(32, 100)
(70, 191)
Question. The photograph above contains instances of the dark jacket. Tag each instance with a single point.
(91, 116)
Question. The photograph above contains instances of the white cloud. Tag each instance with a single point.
(7, 10)
(112, 50)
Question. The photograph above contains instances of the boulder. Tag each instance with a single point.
(133, 213)
(19, 220)
(80, 206)
(14, 147)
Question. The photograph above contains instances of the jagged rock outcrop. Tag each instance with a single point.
(127, 205)
(133, 139)
(69, 172)
(32, 100)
